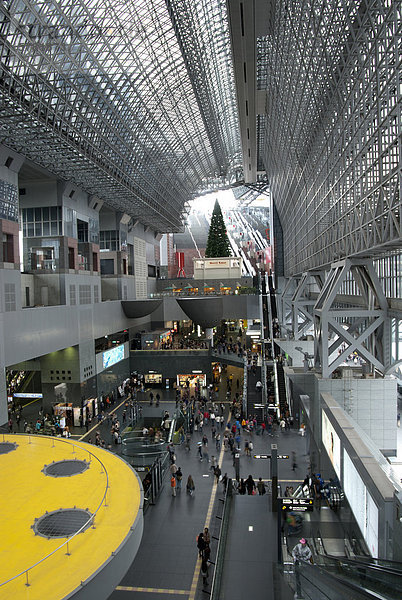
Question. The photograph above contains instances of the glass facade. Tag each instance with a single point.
(42, 222)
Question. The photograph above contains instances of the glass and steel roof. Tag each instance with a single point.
(133, 100)
(331, 70)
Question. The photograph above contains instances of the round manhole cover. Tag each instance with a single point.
(6, 447)
(62, 523)
(65, 468)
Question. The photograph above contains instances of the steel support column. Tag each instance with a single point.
(302, 304)
(285, 304)
(361, 327)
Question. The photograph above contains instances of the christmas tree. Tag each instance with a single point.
(218, 241)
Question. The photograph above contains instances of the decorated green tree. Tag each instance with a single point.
(218, 241)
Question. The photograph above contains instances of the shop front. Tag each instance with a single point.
(89, 410)
(65, 413)
(156, 340)
(153, 379)
(191, 380)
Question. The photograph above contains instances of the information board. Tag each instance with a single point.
(297, 504)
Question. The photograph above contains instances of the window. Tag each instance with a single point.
(73, 299)
(8, 248)
(71, 258)
(9, 297)
(85, 294)
(107, 266)
(38, 222)
(82, 231)
(96, 294)
(109, 240)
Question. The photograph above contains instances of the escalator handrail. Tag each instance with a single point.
(337, 581)
(360, 563)
(379, 561)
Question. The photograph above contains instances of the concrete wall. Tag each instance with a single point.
(48, 329)
(372, 403)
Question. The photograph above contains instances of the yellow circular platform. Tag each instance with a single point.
(109, 486)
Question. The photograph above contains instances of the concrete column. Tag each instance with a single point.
(209, 334)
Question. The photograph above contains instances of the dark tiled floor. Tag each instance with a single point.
(167, 558)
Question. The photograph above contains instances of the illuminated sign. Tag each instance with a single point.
(297, 504)
(25, 395)
(113, 356)
(285, 456)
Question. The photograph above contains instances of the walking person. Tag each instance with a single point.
(173, 485)
(190, 487)
(301, 552)
(204, 572)
(207, 536)
(179, 477)
(200, 544)
(250, 485)
(261, 487)
(294, 461)
(242, 487)
(217, 473)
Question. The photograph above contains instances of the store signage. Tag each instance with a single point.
(216, 263)
(297, 504)
(25, 395)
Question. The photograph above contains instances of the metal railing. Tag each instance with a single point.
(220, 552)
(89, 522)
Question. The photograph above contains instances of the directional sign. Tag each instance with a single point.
(269, 456)
(297, 504)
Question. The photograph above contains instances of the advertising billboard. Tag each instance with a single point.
(362, 504)
(113, 356)
(331, 443)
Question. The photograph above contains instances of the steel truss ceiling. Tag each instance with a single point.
(133, 100)
(332, 136)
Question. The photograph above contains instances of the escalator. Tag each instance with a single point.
(281, 388)
(376, 577)
(334, 582)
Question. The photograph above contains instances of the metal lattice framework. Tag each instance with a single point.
(331, 69)
(363, 326)
(120, 98)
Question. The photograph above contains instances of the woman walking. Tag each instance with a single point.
(190, 487)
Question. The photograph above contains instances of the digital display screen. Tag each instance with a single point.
(113, 356)
(332, 444)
